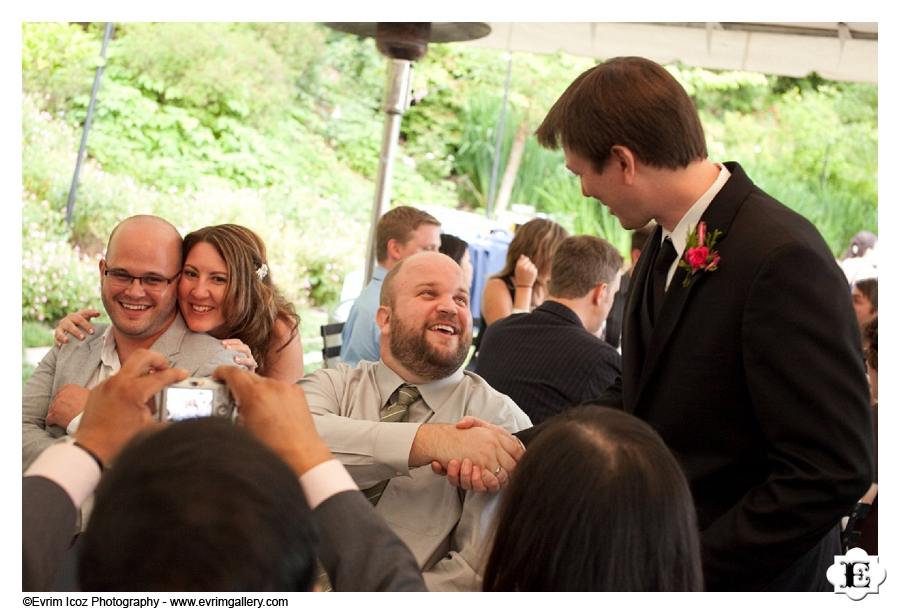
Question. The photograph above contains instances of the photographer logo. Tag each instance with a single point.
(856, 574)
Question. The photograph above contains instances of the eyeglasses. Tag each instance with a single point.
(122, 279)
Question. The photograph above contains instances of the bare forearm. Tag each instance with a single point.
(522, 301)
(427, 444)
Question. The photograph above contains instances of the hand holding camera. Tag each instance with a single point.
(120, 407)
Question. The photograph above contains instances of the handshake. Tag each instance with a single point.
(473, 454)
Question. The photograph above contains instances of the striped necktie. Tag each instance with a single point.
(397, 410)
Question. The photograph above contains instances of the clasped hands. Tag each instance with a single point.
(473, 454)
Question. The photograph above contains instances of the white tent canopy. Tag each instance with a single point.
(835, 50)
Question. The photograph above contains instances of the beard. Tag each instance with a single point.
(413, 350)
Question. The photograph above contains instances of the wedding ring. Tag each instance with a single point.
(497, 471)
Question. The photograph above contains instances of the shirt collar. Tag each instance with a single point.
(434, 393)
(692, 217)
(109, 358)
(560, 310)
(379, 272)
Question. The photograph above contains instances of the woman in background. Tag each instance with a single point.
(864, 293)
(522, 283)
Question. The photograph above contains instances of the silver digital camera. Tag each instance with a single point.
(195, 397)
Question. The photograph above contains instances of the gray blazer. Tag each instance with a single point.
(359, 550)
(76, 361)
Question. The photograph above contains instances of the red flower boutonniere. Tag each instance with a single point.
(699, 254)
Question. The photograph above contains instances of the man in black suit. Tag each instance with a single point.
(740, 344)
(244, 509)
(551, 359)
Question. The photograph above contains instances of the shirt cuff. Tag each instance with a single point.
(324, 481)
(70, 467)
(393, 444)
(73, 425)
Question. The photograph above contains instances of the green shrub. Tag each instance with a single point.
(36, 335)
(55, 277)
(58, 62)
(220, 69)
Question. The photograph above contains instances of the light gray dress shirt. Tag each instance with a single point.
(445, 527)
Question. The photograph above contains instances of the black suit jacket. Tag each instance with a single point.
(359, 551)
(613, 332)
(754, 377)
(546, 361)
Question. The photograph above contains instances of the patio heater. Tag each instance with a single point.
(403, 44)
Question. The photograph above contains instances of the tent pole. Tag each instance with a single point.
(395, 104)
(498, 144)
(70, 202)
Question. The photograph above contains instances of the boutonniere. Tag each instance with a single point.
(699, 254)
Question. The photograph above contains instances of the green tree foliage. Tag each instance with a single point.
(57, 61)
(278, 126)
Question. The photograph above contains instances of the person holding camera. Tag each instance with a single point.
(244, 497)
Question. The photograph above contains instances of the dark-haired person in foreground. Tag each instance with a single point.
(203, 504)
(598, 503)
(739, 342)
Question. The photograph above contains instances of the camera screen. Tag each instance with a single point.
(186, 403)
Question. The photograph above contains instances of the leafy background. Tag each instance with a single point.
(277, 126)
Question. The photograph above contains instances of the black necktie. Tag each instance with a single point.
(664, 258)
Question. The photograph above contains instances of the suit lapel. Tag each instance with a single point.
(169, 343)
(718, 216)
(633, 347)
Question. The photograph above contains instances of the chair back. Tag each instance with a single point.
(331, 342)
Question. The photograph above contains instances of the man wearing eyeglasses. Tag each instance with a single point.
(138, 285)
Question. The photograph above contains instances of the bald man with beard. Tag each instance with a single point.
(388, 420)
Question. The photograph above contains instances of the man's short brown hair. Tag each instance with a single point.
(398, 224)
(627, 101)
(582, 262)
